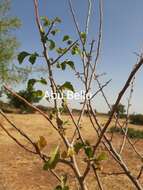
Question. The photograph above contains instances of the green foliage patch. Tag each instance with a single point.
(132, 133)
(136, 119)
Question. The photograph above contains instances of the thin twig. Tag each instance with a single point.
(127, 118)
(97, 177)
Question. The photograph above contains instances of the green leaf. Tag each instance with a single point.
(31, 83)
(54, 32)
(54, 158)
(33, 57)
(102, 156)
(83, 36)
(71, 64)
(58, 65)
(22, 56)
(52, 44)
(67, 86)
(46, 21)
(57, 20)
(61, 50)
(38, 93)
(78, 146)
(65, 38)
(43, 81)
(64, 64)
(75, 50)
(88, 151)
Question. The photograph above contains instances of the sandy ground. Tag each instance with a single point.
(20, 170)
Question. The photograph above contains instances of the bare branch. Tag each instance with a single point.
(131, 76)
(17, 142)
(30, 105)
(88, 16)
(140, 173)
(97, 177)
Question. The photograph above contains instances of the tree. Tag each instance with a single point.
(136, 119)
(30, 94)
(120, 110)
(8, 42)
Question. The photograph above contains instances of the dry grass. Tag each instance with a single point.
(21, 170)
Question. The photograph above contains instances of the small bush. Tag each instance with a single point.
(132, 133)
(120, 111)
(136, 119)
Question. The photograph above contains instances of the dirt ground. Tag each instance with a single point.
(20, 170)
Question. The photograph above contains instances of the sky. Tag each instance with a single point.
(122, 37)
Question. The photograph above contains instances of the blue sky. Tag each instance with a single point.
(122, 36)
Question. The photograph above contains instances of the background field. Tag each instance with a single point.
(20, 170)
